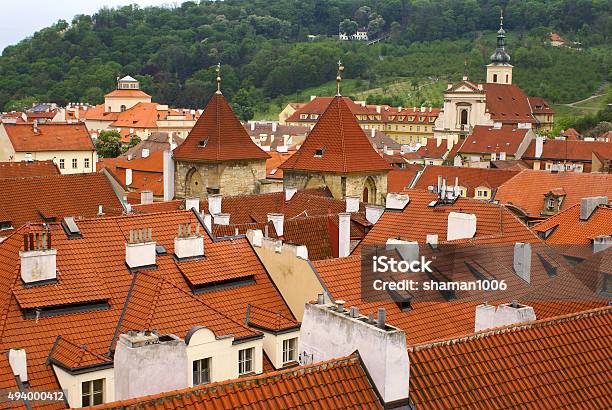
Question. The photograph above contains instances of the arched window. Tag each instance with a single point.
(494, 78)
(464, 117)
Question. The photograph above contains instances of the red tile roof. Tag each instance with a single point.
(576, 185)
(128, 94)
(560, 150)
(98, 113)
(485, 139)
(345, 147)
(159, 299)
(571, 134)
(319, 105)
(431, 150)
(218, 136)
(561, 362)
(71, 356)
(399, 180)
(141, 115)
(540, 106)
(568, 228)
(470, 178)
(24, 169)
(556, 37)
(57, 196)
(273, 170)
(51, 137)
(336, 384)
(507, 103)
(494, 223)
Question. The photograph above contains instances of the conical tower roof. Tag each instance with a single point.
(218, 136)
(336, 144)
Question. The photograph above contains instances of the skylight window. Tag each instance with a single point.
(203, 142)
(319, 152)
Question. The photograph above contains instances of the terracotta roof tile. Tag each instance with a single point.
(507, 103)
(319, 105)
(484, 139)
(98, 113)
(568, 228)
(218, 136)
(51, 137)
(71, 356)
(24, 169)
(577, 185)
(160, 299)
(336, 384)
(141, 115)
(540, 106)
(470, 178)
(57, 196)
(128, 93)
(399, 180)
(559, 150)
(341, 142)
(561, 362)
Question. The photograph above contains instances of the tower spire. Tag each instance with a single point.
(218, 70)
(465, 70)
(501, 56)
(339, 77)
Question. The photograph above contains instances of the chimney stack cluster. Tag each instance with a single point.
(188, 243)
(140, 248)
(38, 260)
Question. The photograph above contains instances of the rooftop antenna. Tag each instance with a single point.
(339, 77)
(218, 70)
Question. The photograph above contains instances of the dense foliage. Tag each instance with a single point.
(265, 49)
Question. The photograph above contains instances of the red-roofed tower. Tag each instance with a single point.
(337, 154)
(218, 155)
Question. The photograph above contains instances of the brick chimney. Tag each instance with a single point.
(330, 331)
(38, 259)
(278, 220)
(489, 317)
(460, 226)
(140, 248)
(188, 243)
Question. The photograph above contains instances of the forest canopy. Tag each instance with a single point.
(265, 48)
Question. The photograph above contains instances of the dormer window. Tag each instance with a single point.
(203, 142)
(319, 152)
(550, 204)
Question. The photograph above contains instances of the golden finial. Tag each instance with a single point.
(218, 70)
(339, 77)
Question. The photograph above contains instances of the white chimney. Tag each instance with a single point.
(141, 357)
(396, 201)
(373, 212)
(460, 226)
(289, 192)
(601, 243)
(252, 125)
(327, 333)
(188, 244)
(432, 239)
(278, 222)
(140, 248)
(208, 222)
(274, 125)
(352, 203)
(539, 146)
(408, 250)
(378, 109)
(590, 204)
(221, 219)
(128, 177)
(146, 197)
(214, 204)
(38, 259)
(192, 202)
(344, 234)
(490, 317)
(522, 260)
(255, 236)
(145, 152)
(19, 363)
(372, 132)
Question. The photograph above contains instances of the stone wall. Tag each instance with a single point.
(341, 185)
(230, 177)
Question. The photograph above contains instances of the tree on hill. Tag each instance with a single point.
(348, 27)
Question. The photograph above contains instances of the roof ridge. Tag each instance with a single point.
(514, 328)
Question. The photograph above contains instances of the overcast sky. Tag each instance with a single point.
(22, 18)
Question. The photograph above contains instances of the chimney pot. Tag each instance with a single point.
(340, 305)
(382, 317)
(320, 299)
(354, 312)
(146, 197)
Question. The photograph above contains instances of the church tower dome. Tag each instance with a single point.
(500, 70)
